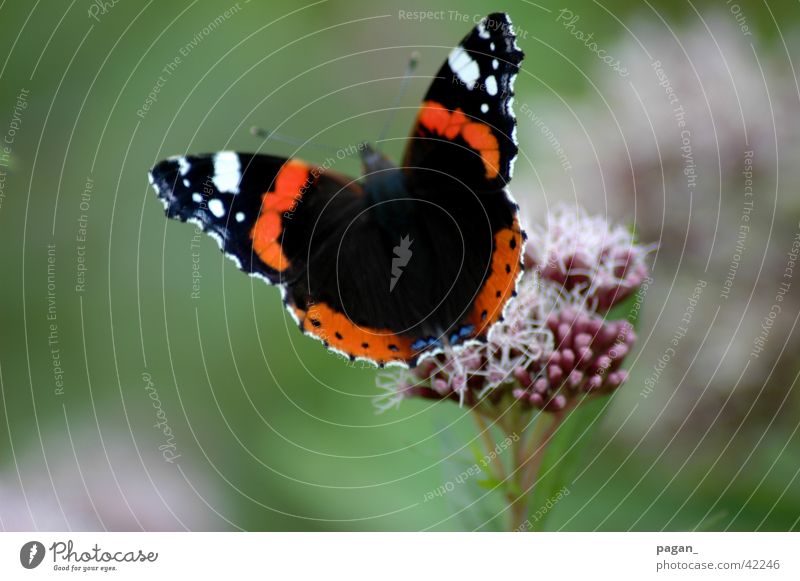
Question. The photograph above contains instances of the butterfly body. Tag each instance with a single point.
(403, 261)
(384, 183)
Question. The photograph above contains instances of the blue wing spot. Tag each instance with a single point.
(424, 343)
(462, 333)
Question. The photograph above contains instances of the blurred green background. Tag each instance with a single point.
(272, 432)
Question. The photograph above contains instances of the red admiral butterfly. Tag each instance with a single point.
(407, 259)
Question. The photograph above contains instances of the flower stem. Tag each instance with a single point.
(517, 498)
(527, 463)
(527, 455)
(485, 431)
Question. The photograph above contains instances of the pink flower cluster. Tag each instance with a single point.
(554, 344)
(587, 358)
(584, 253)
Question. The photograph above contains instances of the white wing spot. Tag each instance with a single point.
(510, 102)
(512, 33)
(186, 182)
(491, 46)
(227, 172)
(491, 85)
(240, 216)
(464, 67)
(484, 108)
(183, 165)
(216, 207)
(495, 64)
(216, 237)
(482, 32)
(197, 198)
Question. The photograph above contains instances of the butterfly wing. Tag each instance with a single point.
(466, 126)
(247, 202)
(463, 147)
(299, 226)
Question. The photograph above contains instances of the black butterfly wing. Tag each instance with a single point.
(301, 227)
(242, 201)
(462, 149)
(466, 126)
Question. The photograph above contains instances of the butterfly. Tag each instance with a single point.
(404, 261)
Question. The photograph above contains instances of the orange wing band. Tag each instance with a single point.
(290, 184)
(339, 332)
(437, 119)
(502, 280)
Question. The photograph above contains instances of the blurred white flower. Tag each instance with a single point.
(104, 485)
(700, 145)
(669, 142)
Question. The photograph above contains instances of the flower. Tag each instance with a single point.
(586, 359)
(579, 251)
(553, 345)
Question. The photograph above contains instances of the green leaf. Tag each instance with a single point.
(627, 309)
(489, 483)
(477, 452)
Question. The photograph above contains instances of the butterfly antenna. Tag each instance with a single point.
(266, 135)
(412, 64)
